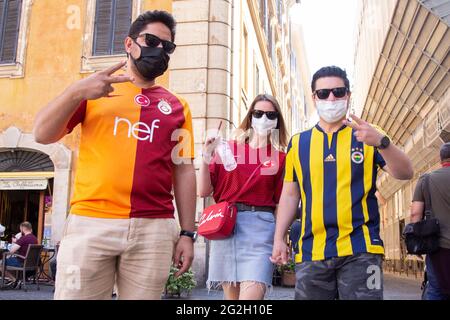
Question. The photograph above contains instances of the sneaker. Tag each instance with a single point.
(17, 283)
(7, 282)
(11, 284)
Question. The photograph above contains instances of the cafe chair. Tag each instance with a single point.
(32, 261)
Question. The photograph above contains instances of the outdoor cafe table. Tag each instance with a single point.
(47, 255)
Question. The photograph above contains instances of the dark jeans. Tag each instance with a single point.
(53, 268)
(432, 290)
(359, 276)
(438, 274)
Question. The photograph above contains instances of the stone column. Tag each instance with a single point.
(60, 205)
(200, 71)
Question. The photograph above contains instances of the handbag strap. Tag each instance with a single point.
(248, 180)
(427, 197)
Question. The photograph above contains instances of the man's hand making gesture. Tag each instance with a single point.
(51, 122)
(398, 164)
(364, 132)
(99, 84)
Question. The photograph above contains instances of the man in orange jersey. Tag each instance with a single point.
(136, 144)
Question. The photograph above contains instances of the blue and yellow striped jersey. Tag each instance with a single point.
(336, 175)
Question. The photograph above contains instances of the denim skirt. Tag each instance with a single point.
(245, 255)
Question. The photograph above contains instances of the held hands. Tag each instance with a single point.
(99, 84)
(280, 253)
(364, 132)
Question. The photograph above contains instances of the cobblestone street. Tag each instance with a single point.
(395, 288)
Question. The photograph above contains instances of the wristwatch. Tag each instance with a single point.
(190, 234)
(384, 143)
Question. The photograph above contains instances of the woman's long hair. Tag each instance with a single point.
(244, 132)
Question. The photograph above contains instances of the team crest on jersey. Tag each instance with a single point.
(142, 100)
(357, 155)
(164, 107)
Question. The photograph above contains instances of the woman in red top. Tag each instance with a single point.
(241, 262)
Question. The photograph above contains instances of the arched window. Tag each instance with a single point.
(25, 161)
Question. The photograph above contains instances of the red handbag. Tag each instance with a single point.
(217, 221)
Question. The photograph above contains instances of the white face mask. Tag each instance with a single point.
(262, 126)
(331, 111)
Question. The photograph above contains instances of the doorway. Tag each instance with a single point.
(26, 184)
(17, 206)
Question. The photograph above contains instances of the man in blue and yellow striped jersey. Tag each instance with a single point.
(332, 169)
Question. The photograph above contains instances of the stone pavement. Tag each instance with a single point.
(395, 288)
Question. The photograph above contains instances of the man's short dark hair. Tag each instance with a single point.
(152, 16)
(26, 225)
(331, 71)
(445, 151)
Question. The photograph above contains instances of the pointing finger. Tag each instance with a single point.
(120, 79)
(114, 68)
(357, 120)
(352, 124)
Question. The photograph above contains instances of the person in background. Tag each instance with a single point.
(2, 230)
(294, 237)
(437, 264)
(18, 235)
(53, 262)
(19, 250)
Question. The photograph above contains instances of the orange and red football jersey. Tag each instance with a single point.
(127, 146)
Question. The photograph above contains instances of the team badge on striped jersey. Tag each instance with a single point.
(164, 107)
(357, 155)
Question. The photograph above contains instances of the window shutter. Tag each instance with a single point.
(103, 27)
(112, 21)
(2, 6)
(2, 19)
(122, 24)
(9, 29)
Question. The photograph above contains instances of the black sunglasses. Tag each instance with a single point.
(271, 115)
(153, 41)
(323, 94)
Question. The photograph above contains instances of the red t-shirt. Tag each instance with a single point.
(24, 242)
(265, 187)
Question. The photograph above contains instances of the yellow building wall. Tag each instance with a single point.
(52, 63)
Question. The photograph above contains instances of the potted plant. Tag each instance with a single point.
(288, 274)
(181, 285)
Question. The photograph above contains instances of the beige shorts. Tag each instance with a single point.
(96, 253)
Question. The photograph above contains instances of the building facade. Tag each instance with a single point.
(402, 84)
(227, 53)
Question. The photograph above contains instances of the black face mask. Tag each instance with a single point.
(152, 63)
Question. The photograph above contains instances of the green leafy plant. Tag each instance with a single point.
(184, 283)
(289, 267)
(288, 277)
